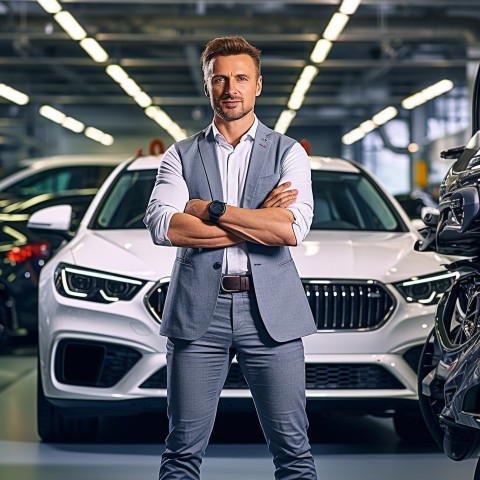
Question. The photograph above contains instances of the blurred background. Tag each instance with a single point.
(124, 72)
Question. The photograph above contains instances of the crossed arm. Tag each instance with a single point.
(271, 224)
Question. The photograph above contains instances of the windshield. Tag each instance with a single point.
(342, 201)
(126, 202)
(350, 201)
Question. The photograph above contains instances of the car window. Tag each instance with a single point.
(60, 179)
(350, 201)
(125, 204)
(342, 201)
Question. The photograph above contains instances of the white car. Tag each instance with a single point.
(101, 297)
(43, 175)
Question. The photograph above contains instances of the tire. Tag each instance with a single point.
(431, 406)
(52, 426)
(458, 326)
(410, 427)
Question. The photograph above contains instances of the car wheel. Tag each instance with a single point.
(409, 425)
(52, 426)
(431, 405)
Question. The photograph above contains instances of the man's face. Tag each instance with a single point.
(232, 85)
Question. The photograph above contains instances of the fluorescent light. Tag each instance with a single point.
(353, 136)
(13, 95)
(321, 50)
(284, 120)
(176, 132)
(413, 101)
(117, 73)
(130, 87)
(438, 88)
(143, 99)
(93, 48)
(367, 126)
(50, 6)
(52, 114)
(73, 125)
(309, 73)
(349, 7)
(162, 118)
(107, 140)
(427, 94)
(385, 115)
(94, 134)
(335, 26)
(151, 111)
(99, 136)
(296, 100)
(70, 25)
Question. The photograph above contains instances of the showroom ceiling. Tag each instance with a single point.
(388, 50)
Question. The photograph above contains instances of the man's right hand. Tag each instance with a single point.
(280, 197)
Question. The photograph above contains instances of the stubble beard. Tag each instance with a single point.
(230, 115)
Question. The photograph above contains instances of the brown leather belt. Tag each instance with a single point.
(235, 283)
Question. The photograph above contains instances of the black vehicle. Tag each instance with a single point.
(449, 367)
(23, 252)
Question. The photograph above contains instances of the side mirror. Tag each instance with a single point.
(55, 219)
(428, 241)
(430, 216)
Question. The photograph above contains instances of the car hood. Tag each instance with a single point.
(382, 256)
(125, 252)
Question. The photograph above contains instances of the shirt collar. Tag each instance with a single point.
(250, 133)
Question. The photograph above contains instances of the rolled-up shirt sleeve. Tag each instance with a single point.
(169, 196)
(296, 169)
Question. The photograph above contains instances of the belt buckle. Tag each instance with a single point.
(226, 290)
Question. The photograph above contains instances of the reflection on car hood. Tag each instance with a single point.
(382, 256)
(125, 252)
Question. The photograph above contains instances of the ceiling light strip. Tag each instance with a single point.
(378, 119)
(284, 120)
(428, 93)
(319, 54)
(387, 114)
(162, 118)
(116, 72)
(13, 95)
(75, 125)
(67, 21)
(50, 6)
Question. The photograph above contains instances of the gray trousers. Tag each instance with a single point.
(275, 373)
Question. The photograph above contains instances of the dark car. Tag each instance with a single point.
(23, 253)
(413, 203)
(32, 185)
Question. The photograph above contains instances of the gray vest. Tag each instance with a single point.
(195, 281)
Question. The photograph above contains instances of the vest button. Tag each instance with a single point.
(217, 265)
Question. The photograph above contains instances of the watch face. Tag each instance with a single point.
(217, 208)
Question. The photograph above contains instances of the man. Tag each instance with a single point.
(233, 198)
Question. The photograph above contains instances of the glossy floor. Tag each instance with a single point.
(346, 447)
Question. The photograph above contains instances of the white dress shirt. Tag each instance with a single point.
(170, 194)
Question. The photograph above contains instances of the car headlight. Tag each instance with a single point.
(426, 290)
(94, 286)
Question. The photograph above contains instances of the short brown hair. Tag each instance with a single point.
(229, 46)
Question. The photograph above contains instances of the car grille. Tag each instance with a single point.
(93, 364)
(339, 305)
(319, 376)
(348, 305)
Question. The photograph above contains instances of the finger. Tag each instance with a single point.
(285, 197)
(280, 188)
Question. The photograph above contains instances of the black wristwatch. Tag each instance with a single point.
(215, 210)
